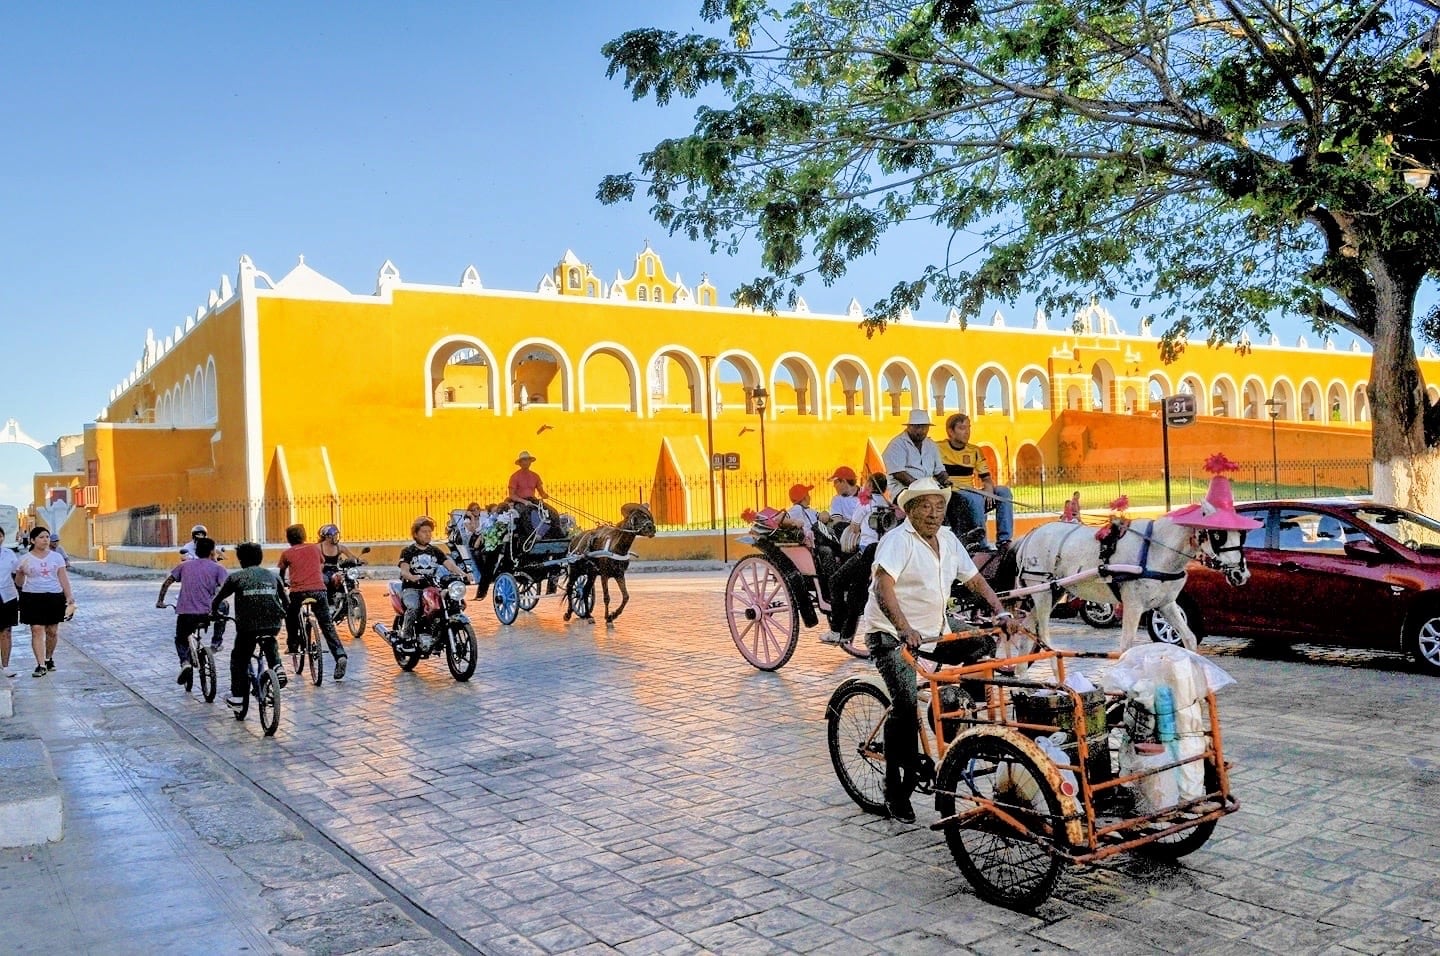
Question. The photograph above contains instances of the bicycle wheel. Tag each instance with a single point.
(529, 591)
(764, 622)
(315, 651)
(580, 591)
(207, 673)
(1185, 842)
(506, 598)
(355, 613)
(269, 704)
(855, 729)
(1006, 867)
(460, 652)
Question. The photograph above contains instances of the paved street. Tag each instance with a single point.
(641, 789)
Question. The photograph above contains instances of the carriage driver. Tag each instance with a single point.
(915, 566)
(527, 494)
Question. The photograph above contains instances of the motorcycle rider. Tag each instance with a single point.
(417, 556)
(332, 552)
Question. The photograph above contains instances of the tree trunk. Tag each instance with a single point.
(1406, 472)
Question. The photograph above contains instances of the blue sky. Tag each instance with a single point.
(150, 145)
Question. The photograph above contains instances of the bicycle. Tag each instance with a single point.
(263, 686)
(310, 646)
(203, 660)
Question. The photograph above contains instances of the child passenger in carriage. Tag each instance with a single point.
(809, 521)
(874, 515)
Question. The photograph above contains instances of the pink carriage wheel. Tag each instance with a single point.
(764, 622)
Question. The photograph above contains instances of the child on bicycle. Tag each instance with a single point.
(198, 580)
(259, 615)
(302, 568)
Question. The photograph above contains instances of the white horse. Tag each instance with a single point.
(1157, 549)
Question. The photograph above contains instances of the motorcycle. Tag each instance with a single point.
(346, 603)
(440, 623)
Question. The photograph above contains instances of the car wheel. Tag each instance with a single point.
(1161, 631)
(1424, 639)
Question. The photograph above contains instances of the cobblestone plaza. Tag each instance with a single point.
(641, 789)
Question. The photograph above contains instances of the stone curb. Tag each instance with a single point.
(31, 810)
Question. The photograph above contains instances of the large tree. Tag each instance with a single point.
(1230, 160)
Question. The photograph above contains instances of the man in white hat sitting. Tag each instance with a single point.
(912, 455)
(527, 492)
(915, 566)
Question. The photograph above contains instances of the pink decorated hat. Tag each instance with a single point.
(1217, 511)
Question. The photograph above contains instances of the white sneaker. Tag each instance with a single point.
(7, 672)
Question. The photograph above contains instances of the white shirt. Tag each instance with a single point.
(902, 455)
(845, 506)
(922, 580)
(42, 575)
(807, 517)
(9, 564)
(868, 535)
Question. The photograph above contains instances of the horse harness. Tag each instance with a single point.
(1113, 579)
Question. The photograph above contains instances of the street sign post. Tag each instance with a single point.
(1179, 412)
(723, 462)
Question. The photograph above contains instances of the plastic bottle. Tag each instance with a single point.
(1051, 745)
(1165, 714)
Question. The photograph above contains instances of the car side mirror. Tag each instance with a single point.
(1365, 549)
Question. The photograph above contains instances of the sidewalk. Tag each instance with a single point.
(166, 851)
(108, 571)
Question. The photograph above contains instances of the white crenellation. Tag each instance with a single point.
(547, 285)
(997, 321)
(905, 314)
(1274, 340)
(953, 316)
(470, 278)
(1302, 343)
(801, 306)
(386, 279)
(1041, 322)
(189, 324)
(225, 289)
(1329, 343)
(212, 301)
(855, 310)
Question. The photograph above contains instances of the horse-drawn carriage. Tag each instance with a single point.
(518, 561)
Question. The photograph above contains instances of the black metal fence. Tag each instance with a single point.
(685, 504)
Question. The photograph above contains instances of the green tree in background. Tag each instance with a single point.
(1233, 160)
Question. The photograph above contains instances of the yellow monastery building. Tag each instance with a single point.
(298, 399)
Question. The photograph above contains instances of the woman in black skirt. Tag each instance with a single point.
(45, 598)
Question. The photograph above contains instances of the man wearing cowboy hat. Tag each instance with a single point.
(527, 492)
(912, 455)
(915, 566)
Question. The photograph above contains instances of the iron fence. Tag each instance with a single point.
(683, 504)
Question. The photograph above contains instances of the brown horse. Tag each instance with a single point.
(605, 552)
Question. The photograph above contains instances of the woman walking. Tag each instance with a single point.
(45, 598)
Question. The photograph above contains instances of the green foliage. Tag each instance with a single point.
(1234, 160)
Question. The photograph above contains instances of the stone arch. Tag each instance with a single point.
(1223, 397)
(674, 374)
(187, 402)
(162, 409)
(802, 390)
(1284, 393)
(1130, 401)
(1252, 399)
(1102, 386)
(1310, 409)
(1073, 398)
(197, 397)
(1192, 385)
(1029, 464)
(898, 376)
(609, 378)
(848, 389)
(1361, 403)
(460, 373)
(210, 406)
(539, 373)
(1157, 389)
(736, 395)
(993, 391)
(947, 389)
(1337, 403)
(993, 460)
(1034, 388)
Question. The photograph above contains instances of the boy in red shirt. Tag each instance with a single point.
(301, 567)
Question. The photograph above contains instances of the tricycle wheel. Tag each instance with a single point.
(1007, 867)
(529, 591)
(506, 596)
(1099, 614)
(764, 622)
(1186, 841)
(855, 728)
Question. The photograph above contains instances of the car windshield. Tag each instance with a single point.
(1403, 526)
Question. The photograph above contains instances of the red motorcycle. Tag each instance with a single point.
(439, 623)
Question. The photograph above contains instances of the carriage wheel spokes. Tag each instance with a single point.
(764, 621)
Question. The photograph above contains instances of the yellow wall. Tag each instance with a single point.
(354, 388)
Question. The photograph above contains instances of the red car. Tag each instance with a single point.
(1347, 573)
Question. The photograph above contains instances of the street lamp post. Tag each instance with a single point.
(710, 433)
(1274, 405)
(760, 398)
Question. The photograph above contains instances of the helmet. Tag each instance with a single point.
(420, 521)
(330, 531)
(199, 531)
